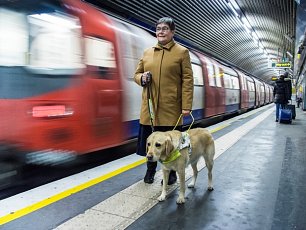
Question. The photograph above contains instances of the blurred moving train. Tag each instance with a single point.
(66, 85)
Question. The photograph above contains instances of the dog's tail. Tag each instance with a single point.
(210, 152)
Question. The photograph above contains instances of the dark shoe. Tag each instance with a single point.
(151, 170)
(149, 177)
(276, 120)
(172, 178)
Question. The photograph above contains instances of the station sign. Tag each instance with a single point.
(281, 65)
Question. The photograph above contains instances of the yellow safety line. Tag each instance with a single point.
(219, 128)
(22, 212)
(43, 203)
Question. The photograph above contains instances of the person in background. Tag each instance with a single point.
(289, 85)
(281, 93)
(166, 69)
(299, 100)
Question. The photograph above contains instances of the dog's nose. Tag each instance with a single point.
(150, 158)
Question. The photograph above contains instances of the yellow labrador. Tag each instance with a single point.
(163, 147)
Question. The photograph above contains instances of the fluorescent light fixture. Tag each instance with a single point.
(246, 28)
(246, 22)
(233, 9)
(288, 38)
(255, 41)
(254, 35)
(234, 4)
(289, 54)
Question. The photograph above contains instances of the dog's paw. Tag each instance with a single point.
(180, 200)
(210, 189)
(161, 198)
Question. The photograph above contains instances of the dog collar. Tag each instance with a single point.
(173, 156)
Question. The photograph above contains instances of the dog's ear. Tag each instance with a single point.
(169, 145)
(175, 138)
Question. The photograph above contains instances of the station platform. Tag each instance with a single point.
(259, 180)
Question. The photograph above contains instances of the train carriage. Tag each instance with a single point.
(67, 81)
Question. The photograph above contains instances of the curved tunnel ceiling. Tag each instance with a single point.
(212, 26)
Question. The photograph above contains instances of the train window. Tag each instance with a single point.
(14, 38)
(130, 47)
(100, 54)
(251, 86)
(55, 44)
(218, 76)
(197, 74)
(244, 82)
(211, 73)
(262, 88)
(44, 43)
(227, 81)
(235, 82)
(230, 82)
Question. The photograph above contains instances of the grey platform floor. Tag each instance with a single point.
(259, 183)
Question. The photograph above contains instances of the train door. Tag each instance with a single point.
(244, 105)
(232, 90)
(102, 81)
(131, 41)
(198, 92)
(257, 93)
(262, 94)
(214, 89)
(267, 94)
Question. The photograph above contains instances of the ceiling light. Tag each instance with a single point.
(233, 9)
(289, 54)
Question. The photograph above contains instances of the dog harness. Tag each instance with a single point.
(184, 143)
(173, 156)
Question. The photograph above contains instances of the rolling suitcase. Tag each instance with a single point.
(285, 115)
(292, 108)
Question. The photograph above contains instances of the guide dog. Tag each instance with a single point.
(164, 147)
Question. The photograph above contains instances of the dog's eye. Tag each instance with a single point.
(157, 144)
(149, 144)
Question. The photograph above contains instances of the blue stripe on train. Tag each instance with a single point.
(198, 114)
(132, 128)
(231, 108)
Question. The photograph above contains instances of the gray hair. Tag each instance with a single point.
(167, 20)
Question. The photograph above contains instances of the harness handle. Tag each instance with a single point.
(180, 119)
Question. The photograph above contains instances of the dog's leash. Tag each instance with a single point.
(180, 119)
(150, 106)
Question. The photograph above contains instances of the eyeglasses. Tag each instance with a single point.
(164, 28)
